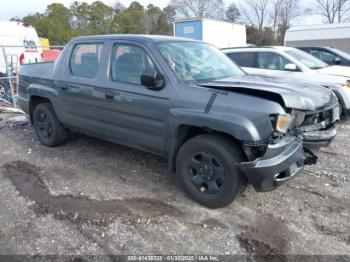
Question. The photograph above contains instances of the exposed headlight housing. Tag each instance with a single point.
(282, 122)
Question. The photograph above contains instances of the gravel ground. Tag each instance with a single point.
(91, 197)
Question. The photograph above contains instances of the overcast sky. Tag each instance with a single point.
(20, 8)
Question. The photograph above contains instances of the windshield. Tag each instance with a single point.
(306, 59)
(197, 62)
(341, 53)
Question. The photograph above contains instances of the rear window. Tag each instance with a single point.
(85, 60)
(244, 59)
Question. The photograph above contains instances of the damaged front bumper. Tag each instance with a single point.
(318, 139)
(281, 162)
(318, 128)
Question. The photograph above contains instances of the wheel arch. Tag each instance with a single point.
(34, 101)
(192, 126)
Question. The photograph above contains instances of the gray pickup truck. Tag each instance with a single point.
(184, 100)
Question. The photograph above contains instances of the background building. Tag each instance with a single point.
(332, 35)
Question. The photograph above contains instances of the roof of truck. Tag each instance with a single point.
(154, 38)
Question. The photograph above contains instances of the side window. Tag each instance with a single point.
(128, 63)
(305, 49)
(244, 59)
(272, 61)
(85, 60)
(326, 57)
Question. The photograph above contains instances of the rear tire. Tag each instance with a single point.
(206, 167)
(48, 128)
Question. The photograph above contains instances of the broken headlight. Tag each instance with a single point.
(282, 122)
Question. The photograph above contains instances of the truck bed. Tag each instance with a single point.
(38, 70)
(39, 75)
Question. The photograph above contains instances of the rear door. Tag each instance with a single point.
(79, 89)
(133, 114)
(247, 61)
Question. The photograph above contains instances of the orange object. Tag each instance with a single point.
(50, 55)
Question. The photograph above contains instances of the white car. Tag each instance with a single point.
(296, 65)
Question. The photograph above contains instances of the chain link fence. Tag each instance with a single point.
(12, 57)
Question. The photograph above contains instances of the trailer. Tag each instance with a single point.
(330, 35)
(222, 34)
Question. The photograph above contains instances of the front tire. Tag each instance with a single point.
(48, 128)
(206, 167)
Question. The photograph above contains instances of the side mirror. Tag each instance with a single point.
(337, 61)
(291, 67)
(152, 79)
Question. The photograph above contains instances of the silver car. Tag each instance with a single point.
(294, 64)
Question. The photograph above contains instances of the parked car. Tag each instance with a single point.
(186, 101)
(295, 65)
(329, 55)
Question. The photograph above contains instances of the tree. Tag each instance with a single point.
(267, 37)
(100, 18)
(256, 14)
(132, 20)
(289, 10)
(275, 12)
(333, 10)
(118, 8)
(59, 27)
(38, 21)
(53, 24)
(80, 15)
(199, 8)
(59, 23)
(169, 13)
(159, 21)
(153, 16)
(232, 13)
(168, 17)
(281, 13)
(15, 19)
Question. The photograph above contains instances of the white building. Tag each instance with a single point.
(330, 35)
(222, 34)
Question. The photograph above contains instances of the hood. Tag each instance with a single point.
(336, 70)
(291, 95)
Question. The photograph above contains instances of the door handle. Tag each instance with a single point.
(64, 87)
(109, 95)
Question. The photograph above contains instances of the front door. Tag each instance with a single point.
(274, 64)
(135, 115)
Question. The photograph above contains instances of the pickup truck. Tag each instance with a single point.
(185, 100)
